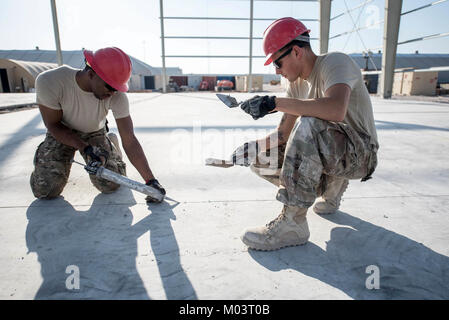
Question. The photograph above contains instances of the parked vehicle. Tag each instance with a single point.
(224, 85)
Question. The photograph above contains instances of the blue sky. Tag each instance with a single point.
(134, 26)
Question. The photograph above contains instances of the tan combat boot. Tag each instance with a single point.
(331, 196)
(113, 137)
(288, 229)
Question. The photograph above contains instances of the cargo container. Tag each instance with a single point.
(397, 83)
(211, 82)
(179, 80)
(194, 81)
(230, 78)
(420, 83)
(242, 83)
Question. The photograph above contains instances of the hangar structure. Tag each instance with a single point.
(19, 76)
(391, 22)
(19, 68)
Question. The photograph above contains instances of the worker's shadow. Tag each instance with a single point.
(101, 245)
(406, 268)
(165, 248)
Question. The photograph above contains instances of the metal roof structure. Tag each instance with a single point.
(404, 60)
(75, 59)
(22, 74)
(32, 67)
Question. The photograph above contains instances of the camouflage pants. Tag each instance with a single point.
(317, 154)
(52, 164)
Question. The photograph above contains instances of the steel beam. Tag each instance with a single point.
(164, 71)
(250, 74)
(230, 18)
(56, 30)
(325, 15)
(390, 42)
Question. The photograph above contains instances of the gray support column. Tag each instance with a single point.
(325, 16)
(164, 71)
(250, 74)
(392, 21)
(56, 30)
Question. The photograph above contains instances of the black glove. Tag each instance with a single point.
(245, 154)
(94, 160)
(155, 184)
(259, 106)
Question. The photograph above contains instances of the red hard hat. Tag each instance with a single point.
(112, 65)
(280, 33)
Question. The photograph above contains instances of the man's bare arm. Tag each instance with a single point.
(132, 147)
(280, 136)
(52, 120)
(332, 107)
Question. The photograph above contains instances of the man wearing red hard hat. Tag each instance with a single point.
(325, 137)
(74, 104)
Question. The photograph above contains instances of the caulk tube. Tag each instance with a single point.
(107, 174)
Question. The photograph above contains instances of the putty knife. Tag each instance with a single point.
(219, 163)
(231, 102)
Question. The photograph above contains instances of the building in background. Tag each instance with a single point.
(418, 83)
(19, 68)
(20, 76)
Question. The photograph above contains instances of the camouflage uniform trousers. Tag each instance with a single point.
(52, 164)
(318, 153)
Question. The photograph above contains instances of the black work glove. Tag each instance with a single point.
(94, 158)
(245, 154)
(155, 184)
(259, 106)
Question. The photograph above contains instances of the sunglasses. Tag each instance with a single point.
(277, 63)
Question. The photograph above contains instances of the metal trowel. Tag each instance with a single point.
(219, 163)
(231, 102)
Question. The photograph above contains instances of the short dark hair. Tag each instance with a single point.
(299, 43)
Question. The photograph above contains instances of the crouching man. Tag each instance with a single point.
(326, 136)
(74, 104)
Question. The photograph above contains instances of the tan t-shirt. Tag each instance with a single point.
(57, 89)
(333, 68)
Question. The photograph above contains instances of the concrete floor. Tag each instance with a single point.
(189, 248)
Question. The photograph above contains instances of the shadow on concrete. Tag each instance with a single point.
(388, 125)
(100, 241)
(102, 244)
(17, 138)
(165, 248)
(407, 269)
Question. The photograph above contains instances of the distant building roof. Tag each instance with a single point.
(75, 59)
(404, 60)
(32, 67)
